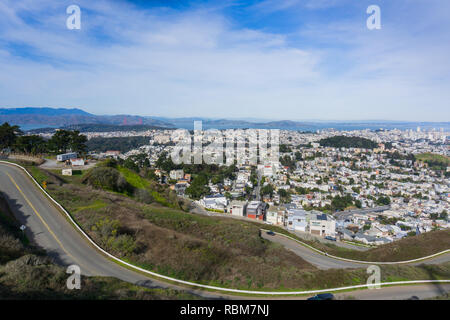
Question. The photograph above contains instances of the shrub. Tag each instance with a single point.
(125, 244)
(143, 196)
(108, 178)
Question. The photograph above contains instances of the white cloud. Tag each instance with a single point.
(201, 63)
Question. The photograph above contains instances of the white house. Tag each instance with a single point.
(217, 201)
(297, 220)
(322, 225)
(176, 174)
(275, 216)
(237, 208)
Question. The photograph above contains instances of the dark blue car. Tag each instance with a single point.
(322, 296)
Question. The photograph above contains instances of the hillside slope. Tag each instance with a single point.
(27, 273)
(209, 250)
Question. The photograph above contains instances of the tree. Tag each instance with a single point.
(130, 164)
(64, 140)
(151, 175)
(267, 189)
(284, 148)
(340, 203)
(283, 193)
(143, 195)
(287, 161)
(348, 142)
(198, 187)
(383, 201)
(165, 163)
(60, 141)
(77, 141)
(8, 135)
(108, 178)
(30, 144)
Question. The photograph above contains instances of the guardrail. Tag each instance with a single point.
(360, 261)
(214, 288)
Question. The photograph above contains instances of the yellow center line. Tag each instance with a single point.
(46, 225)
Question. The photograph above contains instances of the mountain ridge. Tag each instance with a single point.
(46, 116)
(62, 117)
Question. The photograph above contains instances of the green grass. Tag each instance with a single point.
(96, 205)
(138, 182)
(38, 174)
(426, 157)
(133, 178)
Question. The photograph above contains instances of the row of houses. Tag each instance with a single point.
(287, 216)
(253, 209)
(313, 222)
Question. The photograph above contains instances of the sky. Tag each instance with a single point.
(269, 59)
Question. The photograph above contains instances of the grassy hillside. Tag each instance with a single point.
(434, 161)
(128, 182)
(180, 244)
(209, 250)
(433, 157)
(27, 273)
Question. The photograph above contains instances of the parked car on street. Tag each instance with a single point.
(270, 233)
(322, 296)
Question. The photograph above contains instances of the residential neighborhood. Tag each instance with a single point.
(369, 195)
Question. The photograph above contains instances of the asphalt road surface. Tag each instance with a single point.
(398, 293)
(324, 262)
(49, 229)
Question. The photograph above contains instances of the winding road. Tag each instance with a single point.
(325, 262)
(48, 228)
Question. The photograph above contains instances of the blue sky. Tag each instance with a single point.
(271, 59)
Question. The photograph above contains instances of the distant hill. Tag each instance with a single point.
(304, 126)
(58, 117)
(94, 127)
(43, 111)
